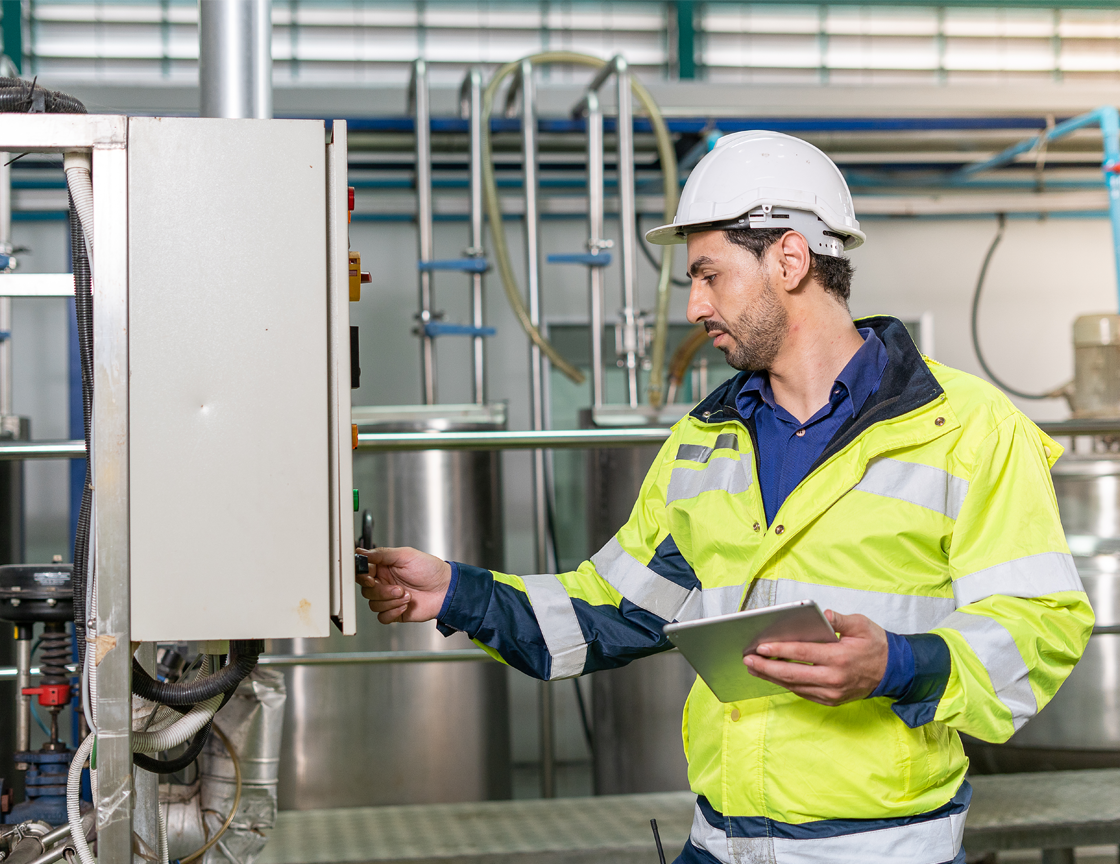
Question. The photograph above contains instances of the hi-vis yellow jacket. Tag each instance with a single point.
(932, 511)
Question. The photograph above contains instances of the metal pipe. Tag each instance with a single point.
(5, 302)
(536, 388)
(596, 242)
(627, 219)
(422, 115)
(478, 358)
(23, 670)
(235, 58)
(350, 658)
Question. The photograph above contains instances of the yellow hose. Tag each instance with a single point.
(494, 214)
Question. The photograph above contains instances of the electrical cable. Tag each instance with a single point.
(242, 660)
(73, 804)
(976, 316)
(668, 158)
(648, 254)
(178, 731)
(202, 850)
(27, 97)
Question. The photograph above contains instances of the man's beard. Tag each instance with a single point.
(758, 333)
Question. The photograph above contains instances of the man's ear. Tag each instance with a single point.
(792, 262)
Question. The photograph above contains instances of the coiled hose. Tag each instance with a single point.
(242, 660)
(27, 97)
(172, 734)
(668, 159)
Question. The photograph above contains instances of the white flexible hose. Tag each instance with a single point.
(174, 734)
(162, 834)
(77, 164)
(73, 800)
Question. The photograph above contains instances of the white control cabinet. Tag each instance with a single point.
(239, 394)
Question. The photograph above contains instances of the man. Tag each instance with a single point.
(912, 501)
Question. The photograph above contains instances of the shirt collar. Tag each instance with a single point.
(859, 378)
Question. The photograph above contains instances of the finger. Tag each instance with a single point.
(385, 556)
(780, 672)
(388, 605)
(392, 616)
(381, 591)
(805, 652)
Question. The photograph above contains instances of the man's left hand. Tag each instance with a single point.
(842, 671)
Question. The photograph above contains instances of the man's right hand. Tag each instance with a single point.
(404, 584)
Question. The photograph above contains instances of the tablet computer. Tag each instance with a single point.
(715, 647)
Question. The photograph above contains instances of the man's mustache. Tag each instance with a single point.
(715, 327)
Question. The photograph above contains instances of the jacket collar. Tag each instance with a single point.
(907, 384)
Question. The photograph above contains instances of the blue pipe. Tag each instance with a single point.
(1108, 118)
(602, 259)
(461, 265)
(439, 328)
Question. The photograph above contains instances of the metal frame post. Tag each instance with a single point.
(627, 218)
(111, 525)
(595, 243)
(478, 318)
(536, 388)
(422, 115)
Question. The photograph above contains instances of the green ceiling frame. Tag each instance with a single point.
(11, 31)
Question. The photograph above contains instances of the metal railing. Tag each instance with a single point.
(547, 439)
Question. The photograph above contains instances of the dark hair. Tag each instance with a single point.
(834, 274)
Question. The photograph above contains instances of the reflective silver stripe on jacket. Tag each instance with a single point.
(923, 485)
(654, 593)
(559, 626)
(899, 613)
(723, 473)
(991, 642)
(640, 585)
(1032, 576)
(700, 453)
(934, 841)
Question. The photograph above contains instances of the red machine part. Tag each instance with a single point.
(50, 694)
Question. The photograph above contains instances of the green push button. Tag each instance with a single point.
(355, 500)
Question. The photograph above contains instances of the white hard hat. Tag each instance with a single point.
(762, 179)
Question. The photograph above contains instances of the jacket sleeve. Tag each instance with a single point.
(609, 611)
(1022, 618)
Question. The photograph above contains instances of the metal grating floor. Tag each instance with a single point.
(611, 828)
(1059, 809)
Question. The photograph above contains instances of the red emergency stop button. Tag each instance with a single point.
(350, 197)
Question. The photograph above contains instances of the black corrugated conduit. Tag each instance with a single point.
(242, 660)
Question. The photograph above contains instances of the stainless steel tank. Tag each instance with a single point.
(1080, 728)
(1096, 362)
(636, 713)
(409, 733)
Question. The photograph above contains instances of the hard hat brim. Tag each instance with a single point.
(673, 234)
(666, 235)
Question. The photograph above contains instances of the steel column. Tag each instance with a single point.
(478, 317)
(422, 113)
(627, 219)
(536, 387)
(235, 58)
(595, 243)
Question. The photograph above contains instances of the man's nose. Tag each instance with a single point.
(698, 306)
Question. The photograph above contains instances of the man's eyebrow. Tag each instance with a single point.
(694, 267)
